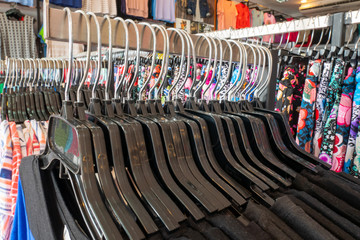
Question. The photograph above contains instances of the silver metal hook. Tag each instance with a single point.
(228, 73)
(8, 69)
(110, 67)
(177, 78)
(153, 56)
(194, 63)
(88, 40)
(71, 57)
(282, 36)
(98, 72)
(312, 33)
(119, 80)
(297, 38)
(165, 54)
(198, 87)
(288, 38)
(137, 64)
(214, 69)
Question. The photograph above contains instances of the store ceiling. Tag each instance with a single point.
(291, 7)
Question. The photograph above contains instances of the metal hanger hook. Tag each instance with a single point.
(88, 40)
(71, 57)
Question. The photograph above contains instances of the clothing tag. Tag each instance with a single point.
(66, 234)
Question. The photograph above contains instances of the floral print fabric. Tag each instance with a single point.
(320, 107)
(306, 118)
(288, 99)
(331, 110)
(343, 121)
(352, 159)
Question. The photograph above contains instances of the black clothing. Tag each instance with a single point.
(234, 229)
(334, 184)
(339, 220)
(269, 222)
(324, 221)
(47, 212)
(298, 220)
(335, 203)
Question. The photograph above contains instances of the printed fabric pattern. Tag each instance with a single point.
(343, 121)
(306, 118)
(352, 159)
(331, 110)
(320, 108)
(290, 93)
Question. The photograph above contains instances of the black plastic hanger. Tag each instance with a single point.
(223, 154)
(139, 163)
(99, 128)
(163, 152)
(29, 97)
(232, 122)
(79, 161)
(288, 139)
(183, 151)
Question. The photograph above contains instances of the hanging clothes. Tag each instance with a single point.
(331, 110)
(18, 39)
(256, 18)
(29, 3)
(243, 16)
(226, 14)
(306, 119)
(320, 108)
(288, 99)
(223, 79)
(343, 121)
(139, 8)
(162, 10)
(352, 163)
(103, 7)
(269, 19)
(67, 3)
(201, 5)
(355, 170)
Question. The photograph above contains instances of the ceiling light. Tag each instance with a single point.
(303, 1)
(281, 1)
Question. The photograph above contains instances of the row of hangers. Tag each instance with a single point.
(171, 162)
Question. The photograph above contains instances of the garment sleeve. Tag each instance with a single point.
(219, 8)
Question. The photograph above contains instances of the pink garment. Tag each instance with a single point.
(188, 83)
(343, 118)
(137, 8)
(198, 72)
(269, 19)
(207, 96)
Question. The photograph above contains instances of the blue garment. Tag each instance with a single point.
(68, 3)
(153, 9)
(29, 3)
(204, 8)
(21, 229)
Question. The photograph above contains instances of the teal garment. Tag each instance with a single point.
(331, 111)
(153, 9)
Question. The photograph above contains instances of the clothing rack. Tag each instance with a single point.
(336, 21)
(56, 28)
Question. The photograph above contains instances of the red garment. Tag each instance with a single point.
(293, 35)
(243, 17)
